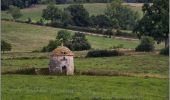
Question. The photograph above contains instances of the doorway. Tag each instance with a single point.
(64, 69)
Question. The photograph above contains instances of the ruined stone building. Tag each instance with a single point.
(61, 61)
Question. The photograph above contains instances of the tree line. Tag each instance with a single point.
(27, 3)
(116, 16)
(18, 3)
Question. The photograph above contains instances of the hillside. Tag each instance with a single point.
(27, 37)
(93, 8)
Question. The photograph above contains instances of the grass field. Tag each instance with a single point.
(23, 87)
(26, 37)
(93, 8)
(148, 63)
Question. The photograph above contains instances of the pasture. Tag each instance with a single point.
(26, 37)
(30, 87)
(148, 63)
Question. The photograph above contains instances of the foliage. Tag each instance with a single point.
(101, 21)
(29, 20)
(165, 51)
(79, 42)
(5, 46)
(51, 46)
(19, 3)
(139, 1)
(103, 53)
(78, 14)
(147, 44)
(155, 22)
(52, 13)
(64, 35)
(14, 11)
(122, 16)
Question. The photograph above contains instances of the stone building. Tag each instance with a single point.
(61, 61)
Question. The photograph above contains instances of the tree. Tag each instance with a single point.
(101, 21)
(5, 46)
(155, 22)
(64, 35)
(147, 44)
(15, 12)
(79, 42)
(123, 16)
(78, 14)
(52, 13)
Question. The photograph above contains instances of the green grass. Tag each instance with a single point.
(23, 87)
(147, 63)
(26, 37)
(105, 43)
(35, 12)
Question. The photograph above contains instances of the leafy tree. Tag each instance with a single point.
(18, 3)
(15, 12)
(52, 13)
(101, 21)
(51, 46)
(155, 22)
(79, 42)
(124, 17)
(78, 15)
(64, 35)
(147, 44)
(5, 46)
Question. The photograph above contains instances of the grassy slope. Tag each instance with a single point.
(19, 87)
(147, 63)
(93, 8)
(25, 37)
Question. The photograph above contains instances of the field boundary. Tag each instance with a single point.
(90, 72)
(78, 29)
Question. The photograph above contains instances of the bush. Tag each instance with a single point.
(5, 46)
(51, 46)
(79, 42)
(147, 44)
(103, 53)
(165, 51)
(29, 20)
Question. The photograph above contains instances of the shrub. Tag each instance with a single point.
(147, 44)
(29, 20)
(14, 11)
(5, 46)
(51, 46)
(103, 53)
(40, 22)
(79, 42)
(165, 51)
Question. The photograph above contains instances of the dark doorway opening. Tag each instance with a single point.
(64, 69)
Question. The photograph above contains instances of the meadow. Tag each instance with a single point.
(35, 12)
(148, 63)
(26, 38)
(31, 87)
